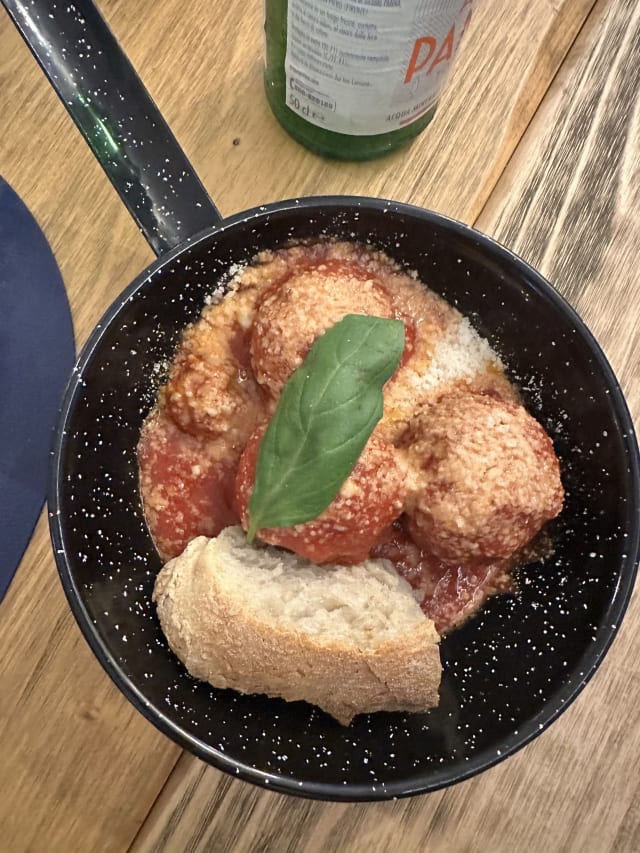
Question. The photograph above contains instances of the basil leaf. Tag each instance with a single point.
(325, 415)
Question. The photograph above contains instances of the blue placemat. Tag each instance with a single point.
(36, 356)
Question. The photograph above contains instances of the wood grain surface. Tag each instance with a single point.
(568, 202)
(80, 768)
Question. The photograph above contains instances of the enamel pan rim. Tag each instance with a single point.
(433, 780)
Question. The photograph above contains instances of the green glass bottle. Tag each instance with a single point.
(356, 79)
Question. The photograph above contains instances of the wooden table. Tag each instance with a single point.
(537, 142)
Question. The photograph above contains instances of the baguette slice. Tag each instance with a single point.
(350, 639)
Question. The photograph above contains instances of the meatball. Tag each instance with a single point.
(211, 389)
(487, 480)
(294, 312)
(368, 502)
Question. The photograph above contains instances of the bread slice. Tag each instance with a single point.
(350, 639)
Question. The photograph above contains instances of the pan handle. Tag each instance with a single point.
(117, 117)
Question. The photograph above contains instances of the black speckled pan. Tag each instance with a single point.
(510, 671)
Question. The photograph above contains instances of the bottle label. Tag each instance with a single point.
(363, 67)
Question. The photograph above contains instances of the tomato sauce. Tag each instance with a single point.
(448, 593)
(195, 477)
(187, 490)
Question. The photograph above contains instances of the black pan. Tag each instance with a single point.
(510, 671)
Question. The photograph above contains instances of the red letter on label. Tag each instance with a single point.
(418, 59)
(446, 51)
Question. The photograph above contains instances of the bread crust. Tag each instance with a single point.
(223, 639)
